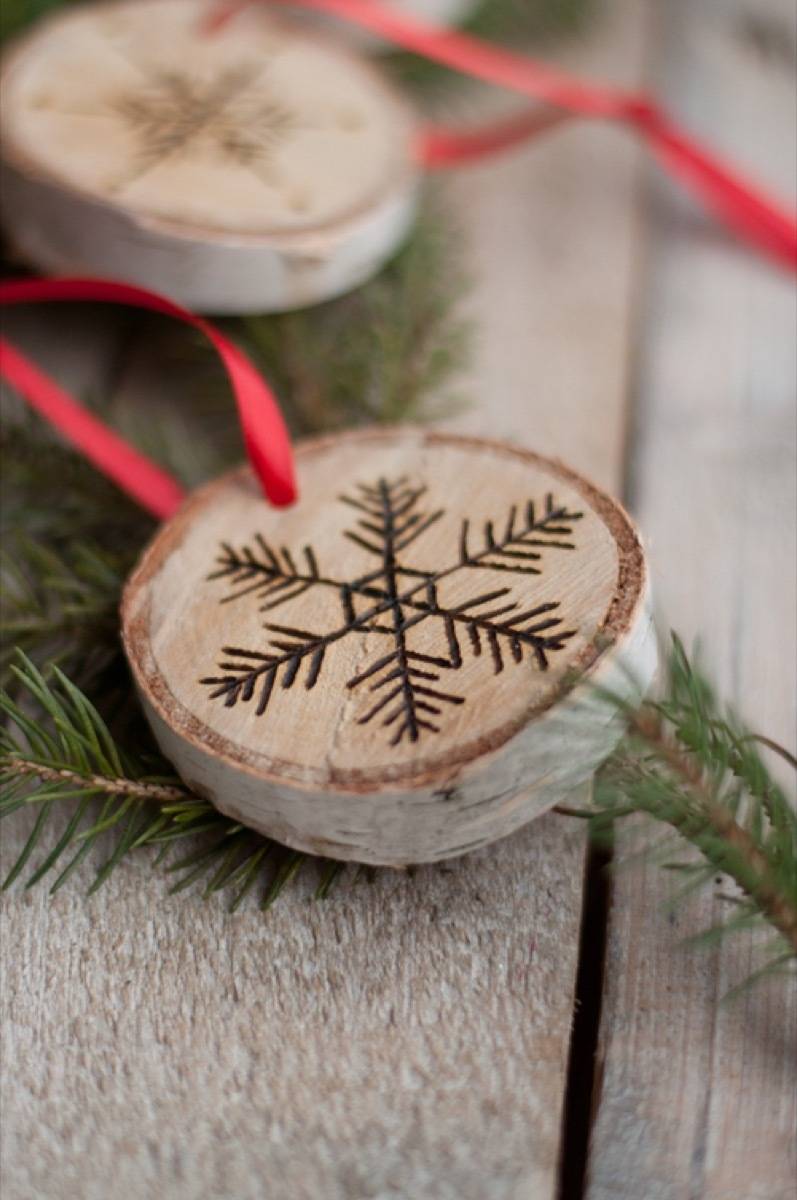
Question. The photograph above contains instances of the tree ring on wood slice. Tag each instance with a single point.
(407, 664)
(260, 168)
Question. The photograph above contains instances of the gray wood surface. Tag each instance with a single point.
(408, 1039)
(699, 1099)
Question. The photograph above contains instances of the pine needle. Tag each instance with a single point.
(390, 351)
(691, 765)
(68, 754)
(685, 762)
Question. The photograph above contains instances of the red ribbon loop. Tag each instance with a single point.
(744, 208)
(265, 435)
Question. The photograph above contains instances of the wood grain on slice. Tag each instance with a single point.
(386, 672)
(260, 167)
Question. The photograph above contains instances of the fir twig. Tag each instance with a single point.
(694, 767)
(710, 823)
(683, 762)
(61, 604)
(62, 752)
(77, 781)
(52, 495)
(389, 351)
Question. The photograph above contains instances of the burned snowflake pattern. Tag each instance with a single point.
(232, 116)
(407, 692)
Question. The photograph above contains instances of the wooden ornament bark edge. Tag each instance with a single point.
(60, 227)
(457, 784)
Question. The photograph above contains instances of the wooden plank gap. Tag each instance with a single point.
(583, 1068)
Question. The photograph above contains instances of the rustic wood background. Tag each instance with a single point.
(410, 1040)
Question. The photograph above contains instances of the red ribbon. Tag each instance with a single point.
(743, 207)
(265, 436)
(443, 147)
(137, 475)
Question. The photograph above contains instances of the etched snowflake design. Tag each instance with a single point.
(230, 114)
(404, 685)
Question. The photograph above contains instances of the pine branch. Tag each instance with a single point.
(532, 19)
(64, 755)
(710, 824)
(52, 495)
(684, 763)
(154, 793)
(390, 351)
(754, 874)
(691, 766)
(60, 605)
(70, 537)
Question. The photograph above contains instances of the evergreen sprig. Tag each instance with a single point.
(50, 494)
(60, 605)
(69, 538)
(692, 765)
(684, 762)
(57, 753)
(390, 351)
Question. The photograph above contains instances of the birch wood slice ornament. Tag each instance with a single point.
(402, 667)
(260, 168)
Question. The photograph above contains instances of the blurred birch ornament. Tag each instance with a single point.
(408, 663)
(258, 168)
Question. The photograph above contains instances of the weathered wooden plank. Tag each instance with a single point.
(698, 1099)
(408, 1038)
(555, 247)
